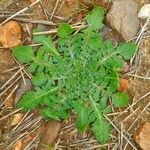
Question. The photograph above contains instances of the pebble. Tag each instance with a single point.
(123, 17)
(144, 12)
(49, 134)
(142, 136)
(23, 88)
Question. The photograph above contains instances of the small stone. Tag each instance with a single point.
(108, 33)
(49, 134)
(16, 119)
(123, 17)
(142, 136)
(144, 12)
(10, 34)
(43, 27)
(23, 88)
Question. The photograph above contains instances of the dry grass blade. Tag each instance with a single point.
(11, 93)
(10, 86)
(21, 11)
(134, 148)
(21, 121)
(4, 117)
(11, 78)
(45, 22)
(55, 7)
(138, 40)
(76, 27)
(138, 116)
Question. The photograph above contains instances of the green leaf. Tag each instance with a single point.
(95, 18)
(101, 128)
(31, 100)
(82, 116)
(64, 30)
(126, 50)
(24, 54)
(47, 43)
(39, 79)
(120, 100)
(76, 72)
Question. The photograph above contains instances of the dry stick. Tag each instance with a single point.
(126, 145)
(45, 22)
(10, 114)
(121, 136)
(20, 15)
(120, 132)
(9, 95)
(98, 146)
(133, 104)
(115, 147)
(22, 75)
(58, 17)
(56, 145)
(140, 37)
(28, 74)
(21, 121)
(137, 76)
(55, 30)
(44, 11)
(17, 139)
(11, 78)
(21, 11)
(61, 6)
(55, 7)
(29, 125)
(31, 142)
(139, 116)
(116, 113)
(131, 114)
(10, 86)
(21, 137)
(21, 127)
(12, 69)
(142, 30)
(69, 126)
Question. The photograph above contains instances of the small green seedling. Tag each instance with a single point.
(79, 73)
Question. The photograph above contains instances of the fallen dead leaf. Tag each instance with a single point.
(123, 85)
(10, 34)
(18, 145)
(16, 119)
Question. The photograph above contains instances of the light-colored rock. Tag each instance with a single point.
(123, 17)
(142, 136)
(144, 12)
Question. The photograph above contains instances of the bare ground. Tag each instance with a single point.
(124, 121)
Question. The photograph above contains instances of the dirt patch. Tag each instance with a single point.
(124, 121)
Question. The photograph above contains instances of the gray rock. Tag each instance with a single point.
(23, 88)
(43, 27)
(123, 17)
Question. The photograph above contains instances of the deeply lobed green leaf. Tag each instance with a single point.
(78, 73)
